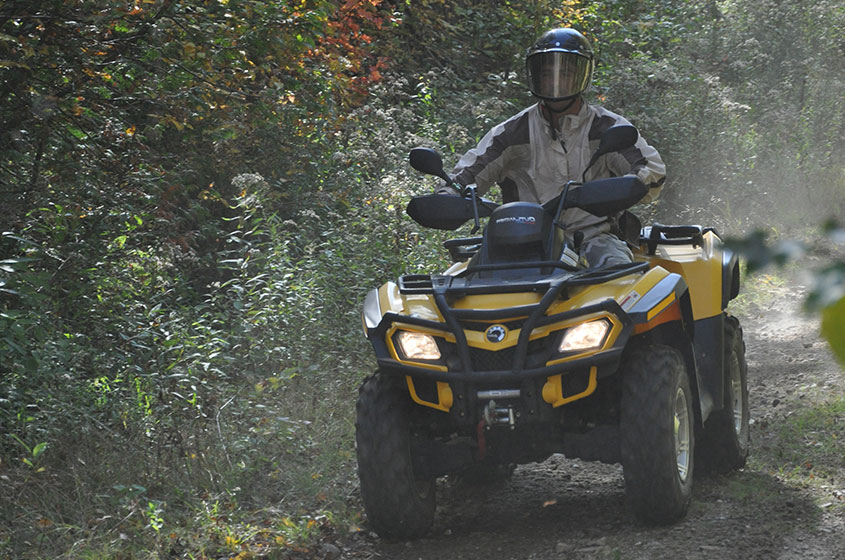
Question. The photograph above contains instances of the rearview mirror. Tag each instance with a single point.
(615, 139)
(428, 161)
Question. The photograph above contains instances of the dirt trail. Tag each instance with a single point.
(563, 509)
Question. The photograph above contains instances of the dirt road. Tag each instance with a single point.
(564, 509)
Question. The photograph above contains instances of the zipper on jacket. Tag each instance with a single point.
(555, 137)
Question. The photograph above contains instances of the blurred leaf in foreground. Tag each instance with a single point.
(827, 296)
(759, 253)
(833, 328)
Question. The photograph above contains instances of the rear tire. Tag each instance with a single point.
(398, 505)
(657, 434)
(725, 439)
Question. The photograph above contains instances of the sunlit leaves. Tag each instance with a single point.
(170, 73)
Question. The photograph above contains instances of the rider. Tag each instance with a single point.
(534, 153)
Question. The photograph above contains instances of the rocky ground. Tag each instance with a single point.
(563, 509)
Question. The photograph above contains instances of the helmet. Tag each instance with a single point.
(559, 65)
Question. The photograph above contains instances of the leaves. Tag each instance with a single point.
(33, 453)
(833, 328)
(827, 294)
(758, 253)
(196, 195)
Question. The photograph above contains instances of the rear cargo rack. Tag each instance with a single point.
(659, 234)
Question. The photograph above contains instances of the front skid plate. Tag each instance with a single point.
(433, 458)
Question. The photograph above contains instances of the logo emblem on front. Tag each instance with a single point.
(496, 333)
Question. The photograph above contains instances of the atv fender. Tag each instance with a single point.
(730, 276)
(664, 316)
(708, 345)
(371, 314)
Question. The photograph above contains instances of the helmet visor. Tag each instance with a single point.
(558, 75)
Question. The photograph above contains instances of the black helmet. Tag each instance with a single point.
(559, 65)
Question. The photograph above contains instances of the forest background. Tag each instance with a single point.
(196, 196)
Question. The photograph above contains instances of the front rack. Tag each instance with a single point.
(465, 284)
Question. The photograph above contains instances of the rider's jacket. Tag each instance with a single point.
(531, 161)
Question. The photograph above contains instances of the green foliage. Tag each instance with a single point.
(197, 196)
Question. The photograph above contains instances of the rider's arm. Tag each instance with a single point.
(645, 162)
(650, 169)
(641, 160)
(488, 162)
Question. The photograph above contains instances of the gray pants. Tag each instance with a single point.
(605, 249)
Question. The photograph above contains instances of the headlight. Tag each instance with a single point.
(586, 336)
(418, 346)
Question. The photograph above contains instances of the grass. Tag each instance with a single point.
(805, 450)
(268, 471)
(758, 290)
(797, 472)
(810, 443)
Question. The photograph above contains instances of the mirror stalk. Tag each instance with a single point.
(559, 211)
(477, 225)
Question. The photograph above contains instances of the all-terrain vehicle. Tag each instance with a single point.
(518, 351)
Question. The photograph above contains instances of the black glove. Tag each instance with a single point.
(445, 188)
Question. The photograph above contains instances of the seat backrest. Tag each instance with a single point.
(517, 232)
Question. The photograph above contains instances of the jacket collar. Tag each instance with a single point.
(567, 122)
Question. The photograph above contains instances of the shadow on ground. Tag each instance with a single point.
(563, 509)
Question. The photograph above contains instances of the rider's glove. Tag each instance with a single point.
(445, 188)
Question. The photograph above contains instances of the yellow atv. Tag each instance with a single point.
(517, 352)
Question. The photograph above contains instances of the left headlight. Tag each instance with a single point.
(586, 336)
(418, 346)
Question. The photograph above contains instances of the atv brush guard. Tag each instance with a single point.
(523, 319)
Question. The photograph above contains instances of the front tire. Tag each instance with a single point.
(657, 434)
(398, 505)
(725, 440)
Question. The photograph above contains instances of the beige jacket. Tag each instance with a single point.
(531, 162)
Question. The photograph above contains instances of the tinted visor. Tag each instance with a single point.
(558, 75)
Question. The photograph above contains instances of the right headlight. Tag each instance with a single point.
(417, 346)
